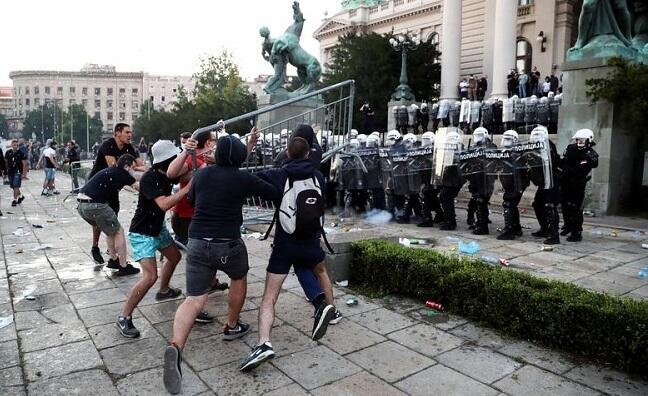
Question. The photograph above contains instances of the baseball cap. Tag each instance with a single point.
(162, 150)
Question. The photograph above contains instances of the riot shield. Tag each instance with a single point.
(508, 110)
(445, 158)
(535, 157)
(352, 176)
(464, 111)
(444, 108)
(487, 114)
(502, 164)
(454, 113)
(518, 108)
(399, 160)
(475, 108)
(419, 167)
(386, 168)
(371, 161)
(543, 112)
(531, 111)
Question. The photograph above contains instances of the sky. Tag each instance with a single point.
(162, 37)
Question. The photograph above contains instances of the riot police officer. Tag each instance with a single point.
(547, 197)
(429, 193)
(578, 160)
(514, 180)
(451, 183)
(480, 186)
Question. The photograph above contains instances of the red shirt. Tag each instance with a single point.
(183, 208)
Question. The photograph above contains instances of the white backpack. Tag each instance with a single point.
(302, 208)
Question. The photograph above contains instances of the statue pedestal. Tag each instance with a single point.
(309, 111)
(616, 183)
(391, 121)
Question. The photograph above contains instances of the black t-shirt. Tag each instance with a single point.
(14, 160)
(73, 155)
(105, 185)
(109, 147)
(149, 218)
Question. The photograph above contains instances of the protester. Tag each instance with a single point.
(15, 167)
(142, 148)
(72, 157)
(298, 247)
(50, 165)
(215, 244)
(148, 234)
(94, 199)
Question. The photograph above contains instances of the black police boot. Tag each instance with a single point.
(472, 209)
(507, 233)
(481, 227)
(567, 219)
(553, 221)
(575, 236)
(543, 232)
(427, 222)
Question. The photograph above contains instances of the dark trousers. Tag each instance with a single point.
(573, 195)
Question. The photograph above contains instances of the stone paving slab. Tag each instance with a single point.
(91, 382)
(380, 360)
(382, 346)
(532, 380)
(441, 380)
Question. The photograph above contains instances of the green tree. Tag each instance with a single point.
(219, 94)
(626, 87)
(369, 59)
(78, 125)
(43, 122)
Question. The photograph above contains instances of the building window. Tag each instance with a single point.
(109, 115)
(373, 10)
(72, 91)
(122, 105)
(26, 101)
(97, 91)
(36, 90)
(122, 92)
(122, 116)
(152, 98)
(97, 103)
(19, 90)
(97, 115)
(134, 92)
(26, 90)
(84, 91)
(525, 2)
(110, 92)
(84, 102)
(384, 6)
(134, 116)
(135, 105)
(36, 102)
(59, 91)
(109, 104)
(163, 98)
(398, 2)
(47, 90)
(72, 102)
(110, 127)
(523, 56)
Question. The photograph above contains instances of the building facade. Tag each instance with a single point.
(545, 29)
(109, 95)
(6, 101)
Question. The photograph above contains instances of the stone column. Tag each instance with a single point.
(505, 26)
(450, 49)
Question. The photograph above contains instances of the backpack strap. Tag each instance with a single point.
(272, 223)
(326, 242)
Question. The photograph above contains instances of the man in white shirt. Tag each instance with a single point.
(49, 164)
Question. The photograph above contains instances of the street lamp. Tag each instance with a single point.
(403, 43)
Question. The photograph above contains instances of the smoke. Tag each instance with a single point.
(378, 217)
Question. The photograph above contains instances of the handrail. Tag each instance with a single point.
(267, 109)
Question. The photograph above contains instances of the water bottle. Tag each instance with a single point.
(452, 239)
(490, 259)
(597, 232)
(643, 273)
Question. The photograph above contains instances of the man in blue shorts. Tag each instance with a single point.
(289, 250)
(14, 159)
(148, 234)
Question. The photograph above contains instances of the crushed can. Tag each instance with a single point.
(352, 302)
(504, 262)
(547, 249)
(433, 305)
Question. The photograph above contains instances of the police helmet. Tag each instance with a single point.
(410, 138)
(539, 134)
(373, 140)
(453, 137)
(362, 139)
(393, 135)
(480, 134)
(509, 138)
(353, 143)
(585, 135)
(353, 133)
(427, 139)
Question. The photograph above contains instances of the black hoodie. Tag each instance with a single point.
(218, 192)
(306, 132)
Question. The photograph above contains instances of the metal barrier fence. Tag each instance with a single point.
(328, 110)
(79, 172)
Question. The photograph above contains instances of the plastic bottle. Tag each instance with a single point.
(643, 273)
(597, 232)
(490, 259)
(453, 239)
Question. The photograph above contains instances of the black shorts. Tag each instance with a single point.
(285, 254)
(204, 258)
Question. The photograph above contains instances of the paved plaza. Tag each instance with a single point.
(57, 314)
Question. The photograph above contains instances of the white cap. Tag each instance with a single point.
(162, 150)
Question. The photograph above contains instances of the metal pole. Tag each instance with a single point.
(87, 135)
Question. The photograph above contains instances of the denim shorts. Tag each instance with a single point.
(145, 246)
(298, 253)
(49, 173)
(204, 258)
(15, 180)
(99, 215)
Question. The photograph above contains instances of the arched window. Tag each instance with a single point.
(433, 38)
(523, 55)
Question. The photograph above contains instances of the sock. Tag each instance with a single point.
(319, 300)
